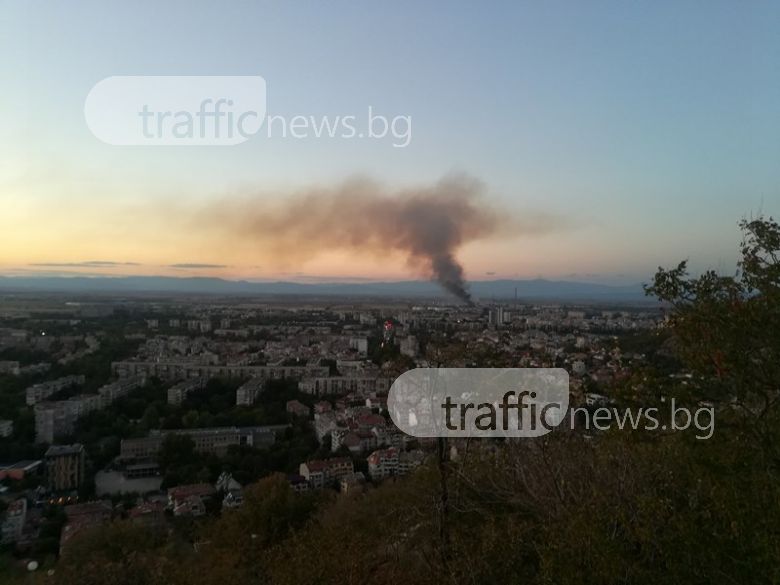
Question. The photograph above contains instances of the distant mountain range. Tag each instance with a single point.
(481, 289)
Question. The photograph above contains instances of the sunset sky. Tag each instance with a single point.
(643, 131)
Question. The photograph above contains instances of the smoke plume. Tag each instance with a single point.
(427, 225)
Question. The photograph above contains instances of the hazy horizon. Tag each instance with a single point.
(615, 138)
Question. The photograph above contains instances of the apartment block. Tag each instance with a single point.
(178, 392)
(324, 385)
(65, 466)
(248, 393)
(178, 370)
(40, 392)
(57, 419)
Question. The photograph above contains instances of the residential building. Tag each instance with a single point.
(65, 466)
(233, 496)
(9, 367)
(360, 344)
(54, 420)
(322, 406)
(498, 316)
(39, 392)
(324, 424)
(178, 370)
(298, 483)
(178, 392)
(320, 473)
(189, 500)
(383, 463)
(296, 408)
(321, 386)
(409, 346)
(248, 392)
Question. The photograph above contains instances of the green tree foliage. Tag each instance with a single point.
(727, 330)
(236, 548)
(118, 553)
(179, 462)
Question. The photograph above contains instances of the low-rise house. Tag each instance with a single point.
(298, 483)
(390, 437)
(189, 500)
(233, 496)
(190, 506)
(320, 473)
(383, 463)
(356, 441)
(297, 408)
(324, 424)
(234, 499)
(367, 422)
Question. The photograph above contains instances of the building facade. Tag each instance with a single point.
(65, 466)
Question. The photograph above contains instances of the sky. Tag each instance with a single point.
(646, 130)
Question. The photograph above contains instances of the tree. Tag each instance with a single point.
(151, 418)
(181, 464)
(620, 507)
(727, 329)
(240, 540)
(119, 553)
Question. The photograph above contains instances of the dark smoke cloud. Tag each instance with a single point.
(427, 225)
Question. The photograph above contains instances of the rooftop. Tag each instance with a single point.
(57, 450)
